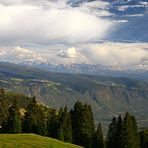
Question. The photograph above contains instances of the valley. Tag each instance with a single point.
(108, 96)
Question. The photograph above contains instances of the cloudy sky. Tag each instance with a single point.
(55, 31)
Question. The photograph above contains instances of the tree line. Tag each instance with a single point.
(73, 126)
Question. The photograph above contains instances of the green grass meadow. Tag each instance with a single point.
(31, 141)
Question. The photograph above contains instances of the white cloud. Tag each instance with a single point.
(118, 53)
(69, 53)
(18, 53)
(98, 8)
(2, 53)
(101, 53)
(43, 29)
(50, 22)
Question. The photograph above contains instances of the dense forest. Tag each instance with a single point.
(21, 114)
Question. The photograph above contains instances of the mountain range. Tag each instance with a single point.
(137, 71)
(111, 86)
(108, 96)
(130, 18)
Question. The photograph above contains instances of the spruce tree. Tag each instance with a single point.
(83, 125)
(52, 124)
(76, 115)
(14, 123)
(4, 110)
(30, 118)
(64, 125)
(41, 120)
(35, 119)
(119, 132)
(130, 136)
(111, 135)
(144, 138)
(98, 138)
(135, 133)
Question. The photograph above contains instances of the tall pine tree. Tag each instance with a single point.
(130, 136)
(35, 120)
(119, 132)
(64, 125)
(111, 135)
(144, 138)
(123, 134)
(42, 120)
(98, 138)
(83, 125)
(14, 123)
(135, 133)
(30, 118)
(4, 110)
(52, 124)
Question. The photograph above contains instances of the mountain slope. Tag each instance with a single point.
(108, 96)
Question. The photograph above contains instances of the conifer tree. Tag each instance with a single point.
(119, 132)
(14, 123)
(41, 120)
(98, 138)
(52, 124)
(4, 110)
(135, 133)
(76, 122)
(30, 119)
(82, 124)
(111, 135)
(35, 120)
(144, 138)
(130, 136)
(64, 125)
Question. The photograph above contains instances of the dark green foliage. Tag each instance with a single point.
(76, 126)
(83, 125)
(14, 123)
(130, 136)
(123, 134)
(35, 119)
(119, 132)
(64, 125)
(135, 133)
(144, 138)
(111, 135)
(52, 124)
(98, 138)
(42, 120)
(23, 100)
(30, 119)
(4, 107)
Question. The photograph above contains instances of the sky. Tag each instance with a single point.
(56, 32)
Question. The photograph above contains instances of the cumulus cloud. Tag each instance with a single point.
(100, 53)
(2, 53)
(117, 53)
(69, 53)
(53, 31)
(18, 53)
(50, 22)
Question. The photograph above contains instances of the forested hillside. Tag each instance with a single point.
(108, 96)
(75, 125)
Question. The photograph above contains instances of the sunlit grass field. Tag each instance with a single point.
(31, 141)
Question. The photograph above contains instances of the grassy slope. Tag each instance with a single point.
(31, 141)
